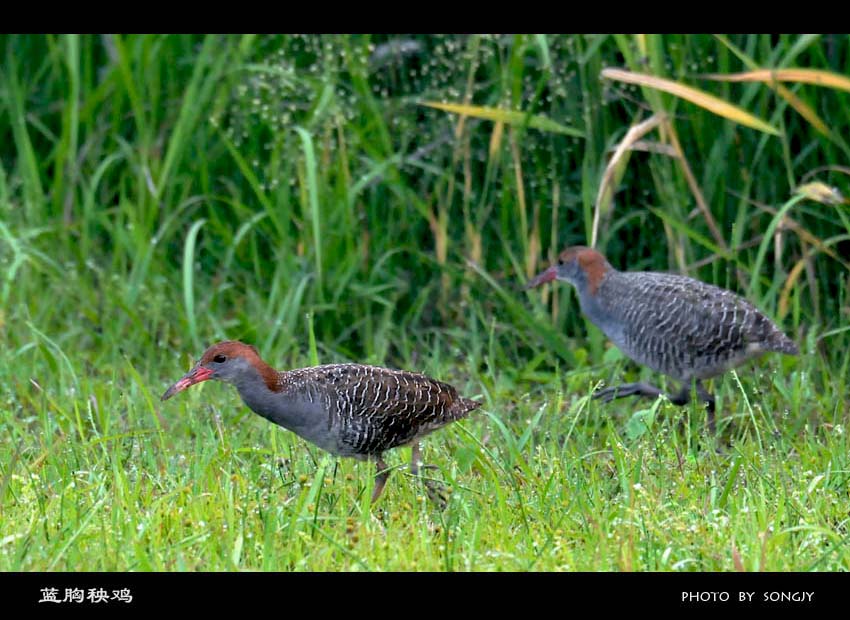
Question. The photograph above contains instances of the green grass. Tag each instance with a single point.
(159, 193)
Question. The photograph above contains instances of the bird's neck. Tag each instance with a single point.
(260, 388)
(298, 409)
(592, 306)
(597, 305)
(589, 293)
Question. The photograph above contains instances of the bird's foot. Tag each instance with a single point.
(608, 394)
(437, 492)
(382, 473)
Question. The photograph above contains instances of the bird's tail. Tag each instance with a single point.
(464, 406)
(780, 343)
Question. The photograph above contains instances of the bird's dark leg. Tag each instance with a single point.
(708, 399)
(682, 397)
(435, 491)
(627, 389)
(382, 473)
(414, 459)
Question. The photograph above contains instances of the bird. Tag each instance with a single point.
(674, 324)
(349, 410)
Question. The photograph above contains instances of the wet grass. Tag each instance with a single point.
(542, 479)
(158, 193)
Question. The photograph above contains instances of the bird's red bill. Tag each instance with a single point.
(196, 375)
(542, 278)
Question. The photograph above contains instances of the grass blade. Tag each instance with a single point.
(189, 280)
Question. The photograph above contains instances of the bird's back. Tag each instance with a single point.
(683, 327)
(371, 409)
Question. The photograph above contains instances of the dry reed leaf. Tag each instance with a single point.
(695, 190)
(616, 166)
(785, 295)
(816, 77)
(762, 75)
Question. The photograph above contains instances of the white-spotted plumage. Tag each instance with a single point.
(674, 324)
(352, 410)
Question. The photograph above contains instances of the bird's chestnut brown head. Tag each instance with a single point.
(580, 266)
(228, 361)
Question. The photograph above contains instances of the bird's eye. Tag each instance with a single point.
(219, 359)
(560, 261)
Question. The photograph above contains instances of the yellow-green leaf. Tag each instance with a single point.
(509, 117)
(803, 109)
(704, 100)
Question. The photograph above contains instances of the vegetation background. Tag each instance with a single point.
(162, 192)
